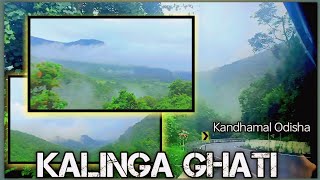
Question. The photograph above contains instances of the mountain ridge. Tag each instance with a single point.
(142, 136)
(85, 142)
(35, 41)
(23, 147)
(220, 87)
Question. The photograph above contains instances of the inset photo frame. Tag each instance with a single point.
(111, 63)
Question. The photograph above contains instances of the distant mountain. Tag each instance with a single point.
(120, 72)
(85, 42)
(103, 71)
(184, 75)
(221, 87)
(23, 147)
(35, 41)
(100, 90)
(143, 136)
(85, 143)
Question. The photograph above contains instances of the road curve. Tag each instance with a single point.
(289, 166)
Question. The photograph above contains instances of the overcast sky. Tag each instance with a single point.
(223, 31)
(109, 127)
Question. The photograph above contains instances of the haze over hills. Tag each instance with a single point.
(143, 136)
(104, 68)
(121, 72)
(100, 80)
(85, 142)
(23, 147)
(35, 41)
(93, 51)
(221, 87)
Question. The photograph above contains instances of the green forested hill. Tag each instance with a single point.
(89, 89)
(23, 147)
(221, 87)
(124, 72)
(144, 136)
(83, 91)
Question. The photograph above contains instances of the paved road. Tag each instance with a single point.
(289, 166)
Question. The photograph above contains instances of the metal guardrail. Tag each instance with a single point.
(198, 146)
(227, 140)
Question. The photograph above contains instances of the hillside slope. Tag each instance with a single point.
(115, 70)
(35, 41)
(144, 136)
(83, 91)
(124, 72)
(23, 147)
(221, 87)
(85, 143)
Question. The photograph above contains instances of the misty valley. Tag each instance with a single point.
(23, 146)
(70, 84)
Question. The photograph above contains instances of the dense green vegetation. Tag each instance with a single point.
(175, 125)
(221, 87)
(5, 119)
(15, 13)
(194, 124)
(45, 77)
(23, 147)
(276, 85)
(180, 97)
(144, 136)
(56, 87)
(286, 95)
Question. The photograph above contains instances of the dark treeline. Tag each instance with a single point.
(288, 95)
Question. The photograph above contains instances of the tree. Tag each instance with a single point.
(47, 100)
(180, 87)
(15, 13)
(149, 101)
(116, 8)
(280, 28)
(125, 100)
(44, 77)
(251, 99)
(284, 96)
(171, 129)
(179, 98)
(175, 102)
(152, 8)
(181, 102)
(188, 7)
